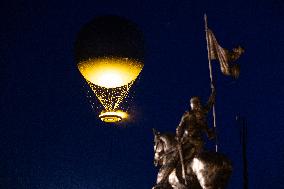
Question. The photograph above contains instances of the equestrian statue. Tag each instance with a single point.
(184, 164)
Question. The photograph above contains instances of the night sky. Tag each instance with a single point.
(50, 137)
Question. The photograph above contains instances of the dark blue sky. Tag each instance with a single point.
(51, 138)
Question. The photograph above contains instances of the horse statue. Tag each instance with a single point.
(206, 170)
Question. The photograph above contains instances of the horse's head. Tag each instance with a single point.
(158, 147)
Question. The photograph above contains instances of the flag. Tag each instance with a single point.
(226, 58)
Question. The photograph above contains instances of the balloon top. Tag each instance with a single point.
(109, 36)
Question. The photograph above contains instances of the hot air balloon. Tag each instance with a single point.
(109, 53)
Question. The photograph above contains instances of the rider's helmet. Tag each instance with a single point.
(195, 103)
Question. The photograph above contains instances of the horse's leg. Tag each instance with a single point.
(163, 174)
(175, 182)
(162, 178)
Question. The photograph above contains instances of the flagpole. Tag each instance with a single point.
(211, 78)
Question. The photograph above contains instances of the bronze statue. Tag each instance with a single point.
(188, 136)
(175, 154)
(207, 170)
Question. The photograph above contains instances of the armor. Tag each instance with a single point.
(192, 124)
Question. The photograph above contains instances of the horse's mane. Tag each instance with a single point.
(169, 139)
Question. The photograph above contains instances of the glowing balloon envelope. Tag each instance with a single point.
(109, 54)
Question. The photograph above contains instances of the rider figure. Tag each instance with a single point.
(192, 124)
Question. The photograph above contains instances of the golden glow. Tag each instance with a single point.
(111, 98)
(113, 116)
(110, 72)
(110, 79)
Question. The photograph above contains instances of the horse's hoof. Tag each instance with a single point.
(159, 186)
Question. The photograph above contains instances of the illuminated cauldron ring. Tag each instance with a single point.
(112, 116)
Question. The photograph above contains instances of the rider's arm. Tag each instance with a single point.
(210, 101)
